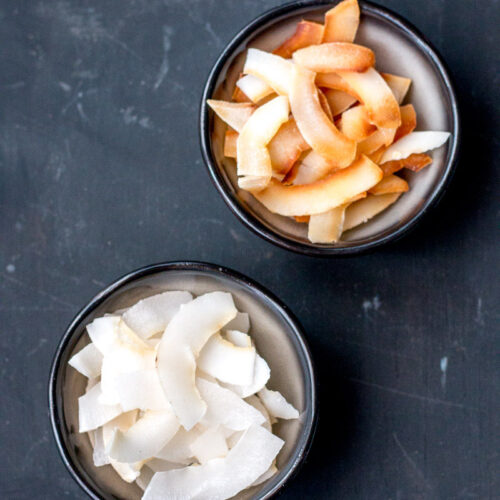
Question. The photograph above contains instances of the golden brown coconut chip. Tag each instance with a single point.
(363, 210)
(235, 114)
(335, 56)
(314, 125)
(390, 184)
(341, 22)
(355, 124)
(307, 33)
(398, 84)
(338, 100)
(323, 195)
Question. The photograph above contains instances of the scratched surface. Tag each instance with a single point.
(101, 174)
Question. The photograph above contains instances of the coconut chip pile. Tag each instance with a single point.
(176, 398)
(318, 133)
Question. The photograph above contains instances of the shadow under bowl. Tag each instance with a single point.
(276, 333)
(400, 49)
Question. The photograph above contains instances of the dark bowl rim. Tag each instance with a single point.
(252, 222)
(296, 328)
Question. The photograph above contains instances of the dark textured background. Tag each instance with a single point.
(101, 174)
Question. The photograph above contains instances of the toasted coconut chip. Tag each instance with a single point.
(211, 444)
(335, 56)
(152, 315)
(227, 362)
(316, 128)
(277, 405)
(144, 478)
(325, 106)
(142, 390)
(159, 465)
(185, 336)
(226, 408)
(253, 156)
(88, 361)
(415, 163)
(390, 184)
(323, 195)
(303, 218)
(145, 438)
(388, 135)
(341, 22)
(416, 142)
(220, 478)
(267, 475)
(408, 121)
(338, 100)
(313, 168)
(178, 449)
(335, 82)
(286, 147)
(376, 155)
(262, 373)
(235, 114)
(253, 182)
(253, 87)
(327, 227)
(257, 404)
(375, 141)
(92, 413)
(241, 323)
(307, 33)
(355, 124)
(363, 210)
(230, 143)
(272, 69)
(398, 84)
(375, 94)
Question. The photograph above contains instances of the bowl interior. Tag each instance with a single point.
(276, 339)
(397, 51)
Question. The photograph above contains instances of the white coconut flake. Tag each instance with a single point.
(220, 478)
(227, 362)
(99, 456)
(91, 413)
(178, 449)
(224, 407)
(182, 341)
(159, 465)
(145, 438)
(103, 332)
(211, 444)
(140, 389)
(152, 315)
(267, 475)
(262, 373)
(415, 142)
(257, 404)
(88, 361)
(277, 405)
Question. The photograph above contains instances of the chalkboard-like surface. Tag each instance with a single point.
(101, 174)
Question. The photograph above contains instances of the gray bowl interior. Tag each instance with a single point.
(275, 338)
(396, 52)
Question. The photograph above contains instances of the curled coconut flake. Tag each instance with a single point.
(88, 361)
(225, 408)
(227, 362)
(241, 323)
(145, 438)
(211, 444)
(415, 142)
(153, 314)
(92, 413)
(182, 341)
(277, 405)
(220, 478)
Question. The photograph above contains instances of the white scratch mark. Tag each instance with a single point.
(35, 349)
(479, 319)
(371, 304)
(215, 36)
(412, 395)
(444, 366)
(411, 461)
(128, 116)
(14, 86)
(164, 67)
(145, 123)
(236, 236)
(11, 268)
(98, 283)
(82, 114)
(65, 86)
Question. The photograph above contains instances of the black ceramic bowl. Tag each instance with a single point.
(277, 334)
(399, 49)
